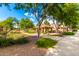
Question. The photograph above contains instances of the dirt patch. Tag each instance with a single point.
(29, 49)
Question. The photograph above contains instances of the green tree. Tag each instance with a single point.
(56, 11)
(37, 9)
(26, 23)
(7, 25)
(72, 15)
(65, 14)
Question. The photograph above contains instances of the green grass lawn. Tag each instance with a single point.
(30, 31)
(15, 35)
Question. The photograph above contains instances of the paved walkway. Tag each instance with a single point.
(67, 46)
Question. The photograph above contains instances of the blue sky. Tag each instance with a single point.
(5, 13)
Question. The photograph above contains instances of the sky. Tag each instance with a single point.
(5, 13)
(18, 14)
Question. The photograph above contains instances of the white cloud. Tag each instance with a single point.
(26, 14)
(32, 19)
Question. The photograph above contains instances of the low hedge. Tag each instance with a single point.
(68, 33)
(10, 41)
(46, 42)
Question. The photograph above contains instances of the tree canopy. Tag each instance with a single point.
(63, 13)
(26, 23)
(8, 23)
(66, 13)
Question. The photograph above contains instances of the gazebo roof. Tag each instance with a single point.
(48, 26)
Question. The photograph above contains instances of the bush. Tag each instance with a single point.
(3, 43)
(46, 42)
(22, 40)
(75, 30)
(6, 42)
(68, 33)
(10, 41)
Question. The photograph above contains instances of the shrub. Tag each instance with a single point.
(75, 30)
(10, 41)
(46, 42)
(22, 40)
(68, 33)
(4, 43)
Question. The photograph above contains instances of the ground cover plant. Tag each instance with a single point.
(68, 33)
(46, 42)
(10, 41)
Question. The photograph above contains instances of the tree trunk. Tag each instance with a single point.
(5, 36)
(56, 27)
(67, 29)
(57, 30)
(6, 33)
(63, 27)
(38, 30)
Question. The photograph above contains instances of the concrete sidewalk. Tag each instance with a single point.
(67, 46)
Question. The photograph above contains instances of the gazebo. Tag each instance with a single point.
(47, 28)
(51, 28)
